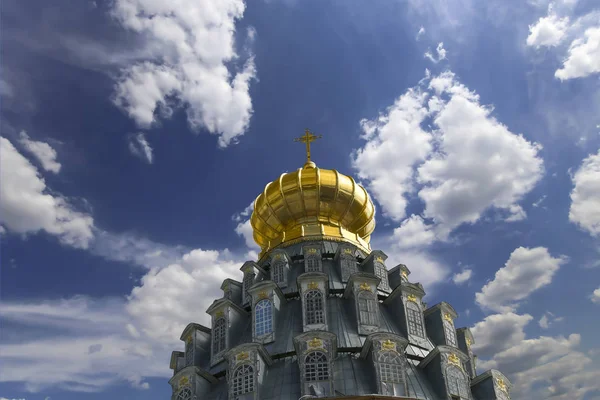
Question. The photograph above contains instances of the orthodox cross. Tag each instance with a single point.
(307, 138)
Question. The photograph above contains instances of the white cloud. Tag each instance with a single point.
(139, 147)
(498, 332)
(595, 297)
(539, 368)
(548, 31)
(479, 164)
(195, 43)
(462, 277)
(413, 233)
(585, 197)
(543, 322)
(27, 207)
(584, 56)
(89, 344)
(441, 54)
(45, 154)
(548, 319)
(526, 271)
(420, 33)
(395, 143)
(244, 228)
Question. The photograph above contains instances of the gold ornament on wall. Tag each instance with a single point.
(501, 385)
(263, 295)
(411, 297)
(243, 356)
(388, 345)
(315, 343)
(468, 342)
(184, 381)
(365, 286)
(220, 313)
(312, 251)
(453, 359)
(379, 259)
(404, 274)
(347, 251)
(313, 285)
(448, 317)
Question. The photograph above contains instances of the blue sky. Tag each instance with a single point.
(136, 133)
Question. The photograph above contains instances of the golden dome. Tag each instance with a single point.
(312, 204)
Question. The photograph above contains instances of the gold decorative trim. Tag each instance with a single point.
(263, 295)
(313, 285)
(277, 256)
(315, 343)
(411, 297)
(348, 251)
(468, 342)
(448, 317)
(243, 356)
(502, 385)
(379, 259)
(453, 359)
(365, 286)
(312, 251)
(404, 274)
(219, 313)
(183, 381)
(388, 345)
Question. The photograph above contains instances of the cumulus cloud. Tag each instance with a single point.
(585, 197)
(461, 277)
(89, 344)
(244, 228)
(413, 233)
(27, 206)
(498, 332)
(548, 319)
(464, 163)
(45, 154)
(547, 31)
(526, 271)
(420, 33)
(139, 147)
(595, 297)
(583, 58)
(196, 67)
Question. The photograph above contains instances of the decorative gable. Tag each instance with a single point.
(375, 264)
(362, 287)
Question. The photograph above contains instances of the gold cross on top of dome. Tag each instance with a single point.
(307, 138)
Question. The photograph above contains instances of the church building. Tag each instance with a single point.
(320, 315)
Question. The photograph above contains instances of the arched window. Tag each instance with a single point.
(263, 314)
(367, 308)
(243, 380)
(316, 367)
(415, 319)
(457, 383)
(381, 273)
(348, 265)
(278, 272)
(312, 264)
(314, 313)
(184, 394)
(218, 336)
(450, 333)
(189, 353)
(391, 373)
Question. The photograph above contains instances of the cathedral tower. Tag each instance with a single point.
(320, 315)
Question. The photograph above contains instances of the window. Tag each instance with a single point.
(381, 273)
(450, 333)
(263, 314)
(278, 272)
(189, 353)
(348, 267)
(367, 308)
(218, 336)
(457, 384)
(415, 319)
(313, 302)
(248, 281)
(243, 380)
(312, 265)
(185, 394)
(316, 367)
(391, 373)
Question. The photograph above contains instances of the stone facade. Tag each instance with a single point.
(323, 319)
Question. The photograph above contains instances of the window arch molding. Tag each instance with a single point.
(314, 307)
(243, 380)
(263, 317)
(414, 319)
(457, 383)
(219, 335)
(367, 308)
(184, 394)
